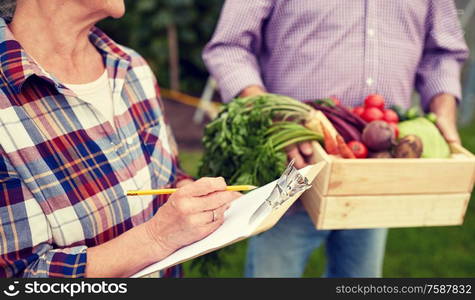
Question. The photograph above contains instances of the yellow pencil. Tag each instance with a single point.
(237, 188)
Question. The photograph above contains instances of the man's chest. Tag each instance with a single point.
(341, 20)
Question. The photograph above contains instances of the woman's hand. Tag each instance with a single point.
(193, 212)
(184, 182)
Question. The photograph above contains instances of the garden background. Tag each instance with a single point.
(171, 34)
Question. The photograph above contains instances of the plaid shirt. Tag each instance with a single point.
(64, 169)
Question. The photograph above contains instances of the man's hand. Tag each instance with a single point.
(302, 153)
(252, 90)
(449, 130)
(445, 108)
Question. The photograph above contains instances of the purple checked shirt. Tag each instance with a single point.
(310, 49)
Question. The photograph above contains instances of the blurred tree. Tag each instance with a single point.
(145, 28)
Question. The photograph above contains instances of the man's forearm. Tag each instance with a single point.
(445, 107)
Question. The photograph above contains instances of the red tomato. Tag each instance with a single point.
(374, 100)
(358, 110)
(372, 114)
(395, 128)
(390, 116)
(335, 100)
(358, 149)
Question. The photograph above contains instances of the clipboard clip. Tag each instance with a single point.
(290, 183)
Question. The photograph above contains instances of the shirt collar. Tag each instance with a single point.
(17, 66)
(106, 45)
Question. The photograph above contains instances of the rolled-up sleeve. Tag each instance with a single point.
(232, 54)
(444, 53)
(26, 247)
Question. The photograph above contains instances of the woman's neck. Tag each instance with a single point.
(57, 37)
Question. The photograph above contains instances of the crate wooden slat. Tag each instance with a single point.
(348, 212)
(389, 176)
(372, 193)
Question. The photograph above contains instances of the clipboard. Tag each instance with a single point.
(262, 223)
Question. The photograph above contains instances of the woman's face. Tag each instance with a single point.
(111, 8)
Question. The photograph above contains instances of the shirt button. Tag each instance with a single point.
(129, 141)
(371, 32)
(369, 81)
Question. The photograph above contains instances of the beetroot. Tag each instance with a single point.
(378, 136)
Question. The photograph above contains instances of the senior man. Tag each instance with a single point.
(81, 123)
(310, 49)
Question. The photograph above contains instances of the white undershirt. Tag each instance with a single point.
(97, 93)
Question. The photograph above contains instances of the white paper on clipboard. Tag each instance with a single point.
(236, 225)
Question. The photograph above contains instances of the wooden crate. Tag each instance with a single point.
(373, 193)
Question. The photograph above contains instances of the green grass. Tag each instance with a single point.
(410, 252)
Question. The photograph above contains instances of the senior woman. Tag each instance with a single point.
(80, 124)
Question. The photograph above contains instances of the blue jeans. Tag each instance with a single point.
(283, 251)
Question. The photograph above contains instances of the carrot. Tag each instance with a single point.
(345, 151)
(329, 142)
